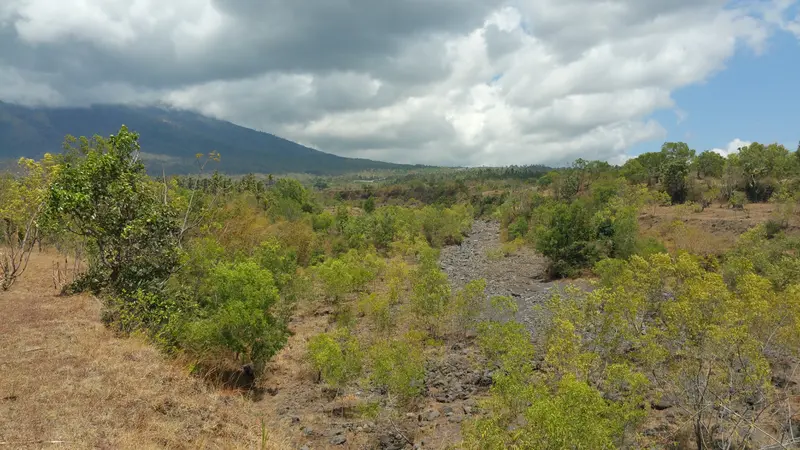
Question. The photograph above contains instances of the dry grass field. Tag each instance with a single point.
(67, 382)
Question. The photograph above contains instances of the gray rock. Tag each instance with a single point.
(339, 439)
(456, 418)
(432, 415)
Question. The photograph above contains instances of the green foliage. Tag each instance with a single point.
(765, 253)
(518, 229)
(674, 180)
(281, 262)
(709, 164)
(348, 273)
(430, 292)
(399, 367)
(101, 193)
(323, 221)
(649, 246)
(445, 226)
(557, 409)
(288, 199)
(565, 235)
(22, 197)
(702, 341)
(737, 200)
(762, 166)
(336, 357)
(466, 306)
(236, 317)
(369, 205)
(378, 309)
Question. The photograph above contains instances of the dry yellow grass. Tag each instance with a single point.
(65, 377)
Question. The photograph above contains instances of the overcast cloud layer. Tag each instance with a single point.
(463, 82)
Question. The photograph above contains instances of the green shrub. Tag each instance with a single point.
(281, 262)
(518, 229)
(773, 227)
(337, 358)
(378, 308)
(466, 306)
(323, 221)
(737, 200)
(647, 246)
(445, 226)
(430, 292)
(348, 273)
(236, 320)
(143, 311)
(102, 194)
(399, 367)
(369, 205)
(566, 236)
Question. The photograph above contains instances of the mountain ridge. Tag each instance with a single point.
(170, 138)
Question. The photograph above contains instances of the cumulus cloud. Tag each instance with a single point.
(465, 82)
(732, 147)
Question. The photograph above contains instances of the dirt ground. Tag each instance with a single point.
(66, 379)
(711, 231)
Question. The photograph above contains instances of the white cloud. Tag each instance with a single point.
(732, 147)
(465, 82)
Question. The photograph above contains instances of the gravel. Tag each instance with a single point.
(520, 275)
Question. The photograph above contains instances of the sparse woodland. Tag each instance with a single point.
(688, 336)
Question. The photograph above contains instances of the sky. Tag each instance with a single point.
(446, 82)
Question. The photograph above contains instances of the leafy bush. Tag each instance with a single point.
(737, 200)
(565, 235)
(430, 292)
(647, 246)
(22, 198)
(445, 226)
(369, 205)
(348, 273)
(281, 262)
(323, 221)
(236, 320)
(702, 341)
(399, 367)
(101, 193)
(772, 257)
(518, 229)
(378, 308)
(337, 358)
(466, 306)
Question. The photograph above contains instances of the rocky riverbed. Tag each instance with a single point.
(521, 275)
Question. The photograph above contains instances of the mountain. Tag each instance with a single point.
(169, 139)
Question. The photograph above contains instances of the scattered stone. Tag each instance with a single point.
(455, 419)
(305, 447)
(339, 439)
(519, 275)
(432, 415)
(335, 432)
(662, 404)
(308, 431)
(467, 409)
(392, 442)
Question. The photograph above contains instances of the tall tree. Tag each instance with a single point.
(102, 194)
